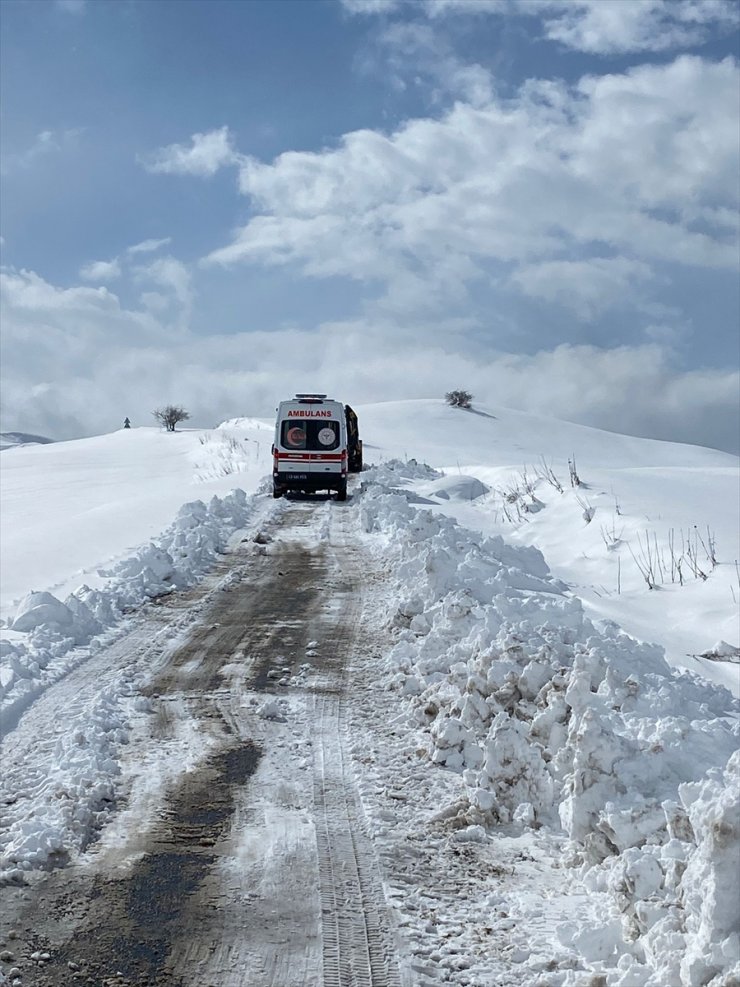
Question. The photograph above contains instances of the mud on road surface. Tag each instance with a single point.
(253, 867)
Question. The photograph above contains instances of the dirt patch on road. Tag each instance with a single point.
(267, 623)
(133, 923)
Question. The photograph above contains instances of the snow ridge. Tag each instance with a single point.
(556, 722)
(61, 635)
(67, 792)
(13, 440)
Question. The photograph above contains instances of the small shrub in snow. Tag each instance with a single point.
(610, 537)
(545, 472)
(518, 499)
(697, 555)
(588, 510)
(223, 454)
(459, 399)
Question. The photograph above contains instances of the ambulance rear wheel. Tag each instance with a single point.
(342, 491)
(277, 492)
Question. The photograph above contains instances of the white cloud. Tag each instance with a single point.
(615, 26)
(432, 8)
(46, 143)
(155, 301)
(101, 270)
(415, 55)
(601, 27)
(174, 278)
(108, 270)
(148, 246)
(75, 362)
(668, 336)
(26, 291)
(635, 390)
(205, 155)
(370, 6)
(586, 287)
(663, 131)
(54, 338)
(625, 162)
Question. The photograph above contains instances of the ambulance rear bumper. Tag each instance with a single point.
(308, 481)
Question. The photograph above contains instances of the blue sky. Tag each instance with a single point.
(218, 203)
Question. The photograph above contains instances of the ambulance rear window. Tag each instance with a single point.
(315, 436)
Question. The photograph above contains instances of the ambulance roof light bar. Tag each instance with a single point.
(309, 398)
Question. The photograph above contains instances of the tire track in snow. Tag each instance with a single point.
(357, 939)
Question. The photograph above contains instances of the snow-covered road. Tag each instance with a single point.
(250, 863)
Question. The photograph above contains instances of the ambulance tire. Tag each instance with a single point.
(277, 492)
(342, 491)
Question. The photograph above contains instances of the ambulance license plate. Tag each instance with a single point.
(296, 476)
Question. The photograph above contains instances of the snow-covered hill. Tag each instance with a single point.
(71, 508)
(562, 736)
(9, 440)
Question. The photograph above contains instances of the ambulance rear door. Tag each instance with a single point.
(311, 439)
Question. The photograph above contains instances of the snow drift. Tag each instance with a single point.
(59, 631)
(555, 721)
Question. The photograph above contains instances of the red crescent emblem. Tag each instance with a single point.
(295, 436)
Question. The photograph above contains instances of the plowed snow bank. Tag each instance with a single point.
(555, 721)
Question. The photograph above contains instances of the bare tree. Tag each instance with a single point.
(459, 399)
(170, 415)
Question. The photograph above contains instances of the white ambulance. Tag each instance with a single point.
(310, 451)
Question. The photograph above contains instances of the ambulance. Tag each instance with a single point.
(316, 445)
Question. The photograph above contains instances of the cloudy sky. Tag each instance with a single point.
(219, 203)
